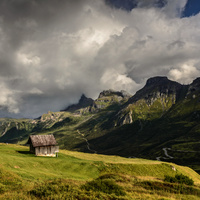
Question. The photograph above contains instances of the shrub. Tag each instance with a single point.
(179, 178)
(50, 188)
(169, 187)
(104, 185)
(2, 188)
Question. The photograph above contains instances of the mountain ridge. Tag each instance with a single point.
(162, 114)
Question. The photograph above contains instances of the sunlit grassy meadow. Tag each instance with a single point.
(75, 175)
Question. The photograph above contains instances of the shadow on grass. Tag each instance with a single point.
(25, 152)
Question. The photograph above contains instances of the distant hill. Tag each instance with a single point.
(161, 121)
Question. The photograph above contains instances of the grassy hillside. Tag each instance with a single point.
(75, 175)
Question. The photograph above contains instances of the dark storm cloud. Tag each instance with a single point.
(53, 51)
(131, 4)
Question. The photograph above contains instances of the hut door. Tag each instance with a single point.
(48, 150)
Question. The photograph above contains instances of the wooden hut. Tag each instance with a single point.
(43, 145)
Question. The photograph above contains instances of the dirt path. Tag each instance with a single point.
(5, 131)
(166, 153)
(88, 145)
(170, 157)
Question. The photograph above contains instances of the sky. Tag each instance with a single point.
(51, 52)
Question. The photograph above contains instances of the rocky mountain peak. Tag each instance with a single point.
(109, 97)
(161, 84)
(157, 80)
(83, 103)
(83, 99)
(156, 87)
(111, 92)
(104, 93)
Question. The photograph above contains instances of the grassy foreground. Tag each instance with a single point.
(75, 175)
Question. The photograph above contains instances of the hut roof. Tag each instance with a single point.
(42, 140)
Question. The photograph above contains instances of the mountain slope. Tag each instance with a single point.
(163, 116)
(157, 118)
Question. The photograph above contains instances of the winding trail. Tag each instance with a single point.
(166, 153)
(170, 157)
(4, 131)
(88, 145)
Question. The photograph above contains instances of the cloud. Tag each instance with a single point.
(9, 99)
(112, 79)
(175, 8)
(52, 52)
(184, 73)
(171, 7)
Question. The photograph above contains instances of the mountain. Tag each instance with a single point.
(109, 98)
(163, 114)
(152, 101)
(161, 121)
(83, 103)
(155, 88)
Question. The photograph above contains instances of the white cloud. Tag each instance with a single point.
(35, 91)
(52, 55)
(8, 99)
(111, 79)
(185, 73)
(28, 59)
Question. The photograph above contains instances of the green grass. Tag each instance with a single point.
(17, 159)
(75, 175)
